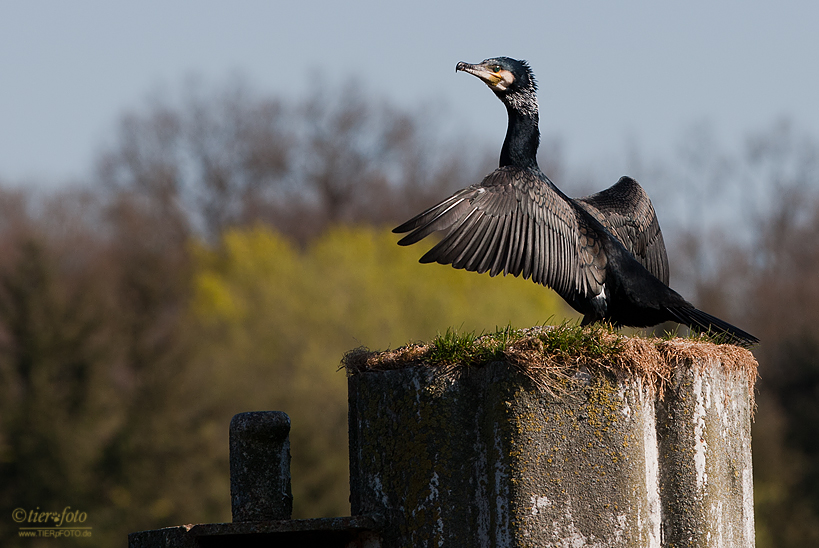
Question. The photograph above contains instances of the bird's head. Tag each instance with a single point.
(503, 75)
(514, 84)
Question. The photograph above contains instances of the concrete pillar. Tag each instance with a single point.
(484, 458)
(260, 466)
(261, 500)
(703, 428)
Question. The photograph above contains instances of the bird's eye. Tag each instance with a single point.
(496, 68)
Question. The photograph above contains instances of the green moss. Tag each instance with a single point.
(595, 341)
(469, 348)
(567, 339)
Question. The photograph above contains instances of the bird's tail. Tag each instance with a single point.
(703, 322)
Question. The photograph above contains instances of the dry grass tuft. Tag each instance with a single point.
(551, 356)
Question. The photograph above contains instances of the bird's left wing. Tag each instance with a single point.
(515, 222)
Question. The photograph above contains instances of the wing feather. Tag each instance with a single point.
(484, 253)
(516, 222)
(626, 211)
(503, 248)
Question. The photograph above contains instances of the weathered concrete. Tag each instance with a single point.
(647, 445)
(346, 532)
(706, 478)
(260, 466)
(261, 500)
(486, 459)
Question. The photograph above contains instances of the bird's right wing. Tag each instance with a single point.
(516, 223)
(626, 211)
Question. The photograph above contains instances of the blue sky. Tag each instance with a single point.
(612, 75)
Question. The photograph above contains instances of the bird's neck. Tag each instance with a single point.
(522, 138)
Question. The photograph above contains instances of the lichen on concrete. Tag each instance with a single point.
(555, 357)
(619, 450)
(706, 449)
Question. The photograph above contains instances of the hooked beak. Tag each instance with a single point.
(481, 71)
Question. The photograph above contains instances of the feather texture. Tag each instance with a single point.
(604, 253)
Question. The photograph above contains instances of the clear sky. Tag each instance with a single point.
(610, 73)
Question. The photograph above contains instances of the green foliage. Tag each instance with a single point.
(786, 446)
(52, 409)
(125, 350)
(275, 321)
(100, 408)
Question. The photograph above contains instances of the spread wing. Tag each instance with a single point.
(517, 223)
(626, 211)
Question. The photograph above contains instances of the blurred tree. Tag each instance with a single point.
(99, 407)
(230, 158)
(115, 393)
(125, 348)
(784, 304)
(760, 271)
(275, 322)
(786, 444)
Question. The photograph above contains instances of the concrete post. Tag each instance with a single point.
(484, 458)
(705, 452)
(260, 466)
(261, 500)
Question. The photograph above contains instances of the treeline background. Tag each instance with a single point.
(230, 247)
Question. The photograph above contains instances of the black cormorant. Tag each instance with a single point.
(604, 254)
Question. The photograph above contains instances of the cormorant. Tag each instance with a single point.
(604, 254)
